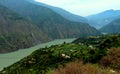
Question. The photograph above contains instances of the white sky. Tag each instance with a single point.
(84, 7)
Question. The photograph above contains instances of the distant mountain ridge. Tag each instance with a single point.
(101, 19)
(113, 27)
(63, 13)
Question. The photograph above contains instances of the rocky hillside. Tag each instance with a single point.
(17, 32)
(113, 27)
(50, 22)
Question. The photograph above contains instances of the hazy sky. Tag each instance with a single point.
(84, 7)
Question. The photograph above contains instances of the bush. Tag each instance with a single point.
(112, 59)
(80, 68)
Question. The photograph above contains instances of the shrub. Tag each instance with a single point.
(80, 68)
(112, 59)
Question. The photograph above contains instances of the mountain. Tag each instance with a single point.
(113, 27)
(50, 22)
(17, 32)
(101, 19)
(62, 12)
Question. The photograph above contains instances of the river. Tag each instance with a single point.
(12, 57)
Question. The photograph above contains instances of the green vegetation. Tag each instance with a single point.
(44, 59)
(47, 59)
(110, 41)
(36, 24)
(91, 40)
(101, 42)
(17, 55)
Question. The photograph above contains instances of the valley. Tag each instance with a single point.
(24, 24)
(38, 38)
(10, 58)
(100, 56)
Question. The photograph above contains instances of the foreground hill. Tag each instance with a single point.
(50, 22)
(43, 60)
(17, 32)
(62, 12)
(101, 19)
(113, 27)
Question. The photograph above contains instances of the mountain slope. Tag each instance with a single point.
(113, 27)
(62, 12)
(51, 23)
(17, 32)
(101, 19)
